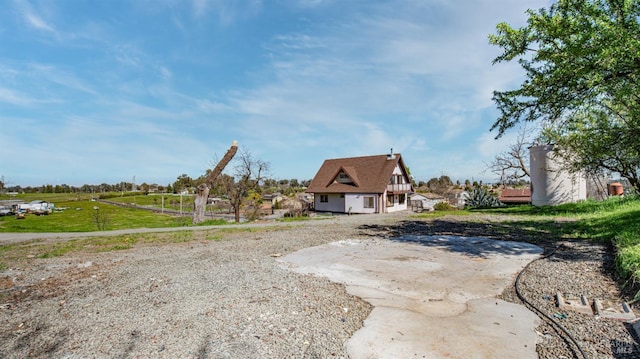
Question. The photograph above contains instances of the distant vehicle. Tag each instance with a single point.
(6, 211)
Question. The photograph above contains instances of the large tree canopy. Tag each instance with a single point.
(582, 65)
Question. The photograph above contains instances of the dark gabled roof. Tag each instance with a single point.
(368, 174)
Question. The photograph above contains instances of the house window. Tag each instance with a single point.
(324, 198)
(402, 198)
(389, 200)
(344, 178)
(368, 202)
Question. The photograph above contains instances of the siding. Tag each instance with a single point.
(335, 203)
(355, 201)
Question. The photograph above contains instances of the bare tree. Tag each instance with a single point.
(249, 173)
(200, 202)
(513, 164)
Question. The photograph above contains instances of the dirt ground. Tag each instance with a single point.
(229, 297)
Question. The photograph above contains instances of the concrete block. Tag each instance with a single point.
(577, 304)
(613, 310)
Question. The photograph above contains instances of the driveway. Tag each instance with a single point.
(433, 297)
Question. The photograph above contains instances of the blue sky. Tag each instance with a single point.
(101, 91)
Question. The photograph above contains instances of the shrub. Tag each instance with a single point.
(480, 197)
(443, 206)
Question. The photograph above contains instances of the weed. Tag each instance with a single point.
(213, 237)
(214, 222)
(182, 236)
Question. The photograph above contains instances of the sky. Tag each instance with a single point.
(104, 91)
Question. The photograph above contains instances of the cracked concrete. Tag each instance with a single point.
(433, 296)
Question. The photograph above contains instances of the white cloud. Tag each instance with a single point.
(227, 12)
(13, 97)
(32, 18)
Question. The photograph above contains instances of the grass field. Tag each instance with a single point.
(80, 215)
(167, 201)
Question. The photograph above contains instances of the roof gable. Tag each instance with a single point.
(367, 174)
(346, 175)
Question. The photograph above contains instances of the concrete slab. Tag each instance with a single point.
(433, 297)
(571, 302)
(612, 310)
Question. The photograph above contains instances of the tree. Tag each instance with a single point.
(248, 174)
(440, 185)
(513, 164)
(582, 65)
(183, 182)
(200, 202)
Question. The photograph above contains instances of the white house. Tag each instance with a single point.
(369, 184)
(425, 201)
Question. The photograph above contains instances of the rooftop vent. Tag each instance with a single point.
(391, 156)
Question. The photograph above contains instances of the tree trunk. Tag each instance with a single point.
(200, 202)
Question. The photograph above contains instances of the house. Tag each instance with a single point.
(515, 196)
(425, 201)
(457, 197)
(273, 198)
(369, 184)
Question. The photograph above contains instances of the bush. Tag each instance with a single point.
(443, 206)
(480, 197)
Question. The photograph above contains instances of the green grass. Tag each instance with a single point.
(80, 216)
(171, 201)
(215, 222)
(440, 214)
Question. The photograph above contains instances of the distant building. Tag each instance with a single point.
(551, 183)
(425, 201)
(515, 196)
(369, 184)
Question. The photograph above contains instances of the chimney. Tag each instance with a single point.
(390, 156)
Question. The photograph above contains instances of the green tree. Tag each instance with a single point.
(440, 185)
(582, 65)
(183, 182)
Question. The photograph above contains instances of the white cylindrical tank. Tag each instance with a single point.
(551, 184)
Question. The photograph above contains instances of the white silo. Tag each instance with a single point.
(551, 184)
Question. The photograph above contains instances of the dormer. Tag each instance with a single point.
(345, 175)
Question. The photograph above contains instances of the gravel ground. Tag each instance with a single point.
(226, 296)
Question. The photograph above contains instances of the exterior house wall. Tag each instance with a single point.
(423, 202)
(396, 206)
(334, 204)
(355, 202)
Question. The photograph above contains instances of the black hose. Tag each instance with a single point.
(540, 312)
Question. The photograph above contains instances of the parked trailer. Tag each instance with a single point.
(37, 207)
